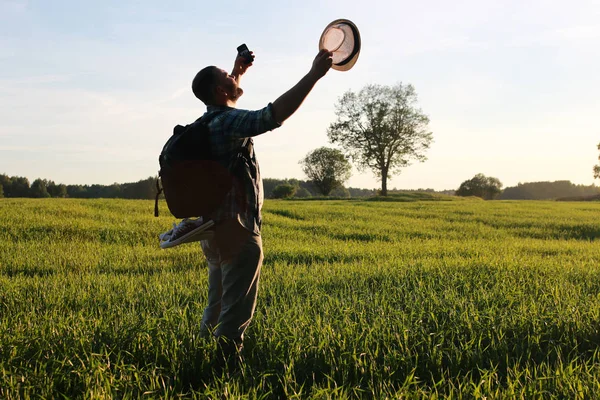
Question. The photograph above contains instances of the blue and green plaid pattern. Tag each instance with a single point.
(228, 131)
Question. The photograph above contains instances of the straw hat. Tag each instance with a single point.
(343, 39)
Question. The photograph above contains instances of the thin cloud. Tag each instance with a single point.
(33, 80)
(13, 6)
(581, 32)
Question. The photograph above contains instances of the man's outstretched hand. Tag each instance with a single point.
(239, 66)
(321, 64)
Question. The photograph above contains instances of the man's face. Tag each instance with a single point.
(229, 85)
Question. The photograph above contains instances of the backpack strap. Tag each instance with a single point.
(240, 154)
(159, 190)
(206, 119)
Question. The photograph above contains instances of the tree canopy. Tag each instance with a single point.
(327, 169)
(487, 188)
(284, 191)
(19, 187)
(380, 128)
(39, 189)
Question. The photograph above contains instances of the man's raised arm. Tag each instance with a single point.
(290, 101)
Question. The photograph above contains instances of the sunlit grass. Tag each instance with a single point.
(357, 299)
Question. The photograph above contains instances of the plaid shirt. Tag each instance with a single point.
(229, 129)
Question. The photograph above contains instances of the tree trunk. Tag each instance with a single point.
(384, 175)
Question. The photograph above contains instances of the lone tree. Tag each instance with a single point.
(597, 167)
(381, 129)
(327, 168)
(482, 186)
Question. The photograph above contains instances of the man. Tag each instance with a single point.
(235, 253)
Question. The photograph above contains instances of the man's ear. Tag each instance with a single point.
(219, 90)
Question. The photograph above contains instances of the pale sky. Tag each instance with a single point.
(90, 90)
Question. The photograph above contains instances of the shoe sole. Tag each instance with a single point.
(200, 233)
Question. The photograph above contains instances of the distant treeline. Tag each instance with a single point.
(306, 189)
(18, 186)
(548, 191)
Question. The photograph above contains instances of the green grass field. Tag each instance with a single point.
(372, 299)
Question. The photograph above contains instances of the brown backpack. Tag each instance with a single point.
(194, 181)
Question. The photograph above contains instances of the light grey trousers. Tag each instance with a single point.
(234, 258)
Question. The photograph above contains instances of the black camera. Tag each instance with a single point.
(244, 52)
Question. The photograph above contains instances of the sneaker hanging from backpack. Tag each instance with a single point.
(188, 230)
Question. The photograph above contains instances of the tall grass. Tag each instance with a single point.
(358, 299)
